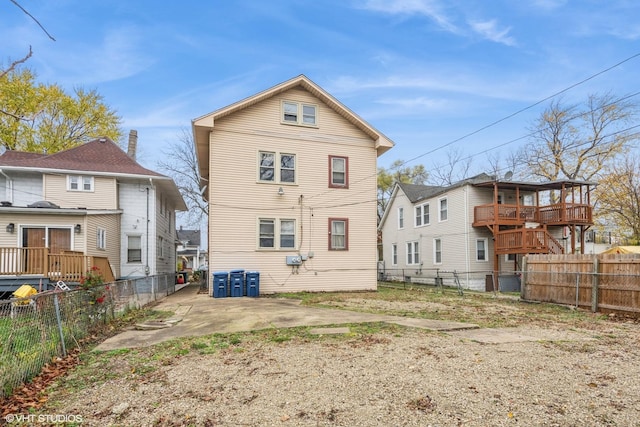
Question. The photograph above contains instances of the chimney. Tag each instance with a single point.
(133, 143)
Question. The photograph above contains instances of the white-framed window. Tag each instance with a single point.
(134, 249)
(400, 218)
(276, 167)
(79, 183)
(413, 253)
(482, 250)
(437, 251)
(101, 238)
(422, 215)
(276, 233)
(338, 234)
(338, 172)
(299, 113)
(394, 254)
(443, 212)
(160, 247)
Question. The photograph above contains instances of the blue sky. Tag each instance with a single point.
(424, 72)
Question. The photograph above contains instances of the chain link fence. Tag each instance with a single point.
(481, 280)
(36, 328)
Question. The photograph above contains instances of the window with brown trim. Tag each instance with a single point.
(338, 234)
(338, 172)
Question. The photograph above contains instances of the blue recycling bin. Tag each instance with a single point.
(220, 284)
(253, 283)
(236, 283)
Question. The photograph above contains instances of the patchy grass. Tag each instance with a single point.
(485, 309)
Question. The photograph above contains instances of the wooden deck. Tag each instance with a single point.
(68, 266)
(527, 241)
(517, 215)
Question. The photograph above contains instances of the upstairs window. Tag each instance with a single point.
(444, 210)
(400, 218)
(79, 183)
(422, 215)
(338, 172)
(298, 113)
(276, 167)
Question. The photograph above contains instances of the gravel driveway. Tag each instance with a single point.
(583, 374)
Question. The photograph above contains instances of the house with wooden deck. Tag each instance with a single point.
(290, 177)
(92, 205)
(475, 232)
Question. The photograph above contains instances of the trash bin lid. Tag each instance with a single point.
(218, 273)
(237, 271)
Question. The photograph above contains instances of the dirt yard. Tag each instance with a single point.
(571, 369)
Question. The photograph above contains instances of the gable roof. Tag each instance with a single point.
(204, 124)
(192, 237)
(101, 156)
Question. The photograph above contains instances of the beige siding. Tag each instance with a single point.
(238, 200)
(104, 195)
(110, 223)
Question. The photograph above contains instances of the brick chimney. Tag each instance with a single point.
(133, 143)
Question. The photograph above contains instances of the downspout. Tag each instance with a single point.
(147, 269)
(10, 183)
(467, 234)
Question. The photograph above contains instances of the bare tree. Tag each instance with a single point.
(183, 168)
(455, 169)
(572, 143)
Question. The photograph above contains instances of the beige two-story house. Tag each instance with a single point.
(93, 202)
(290, 176)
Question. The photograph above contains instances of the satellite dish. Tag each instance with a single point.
(508, 176)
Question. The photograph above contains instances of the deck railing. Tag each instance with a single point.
(558, 214)
(66, 266)
(527, 241)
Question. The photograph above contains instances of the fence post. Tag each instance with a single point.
(594, 285)
(577, 289)
(523, 278)
(58, 319)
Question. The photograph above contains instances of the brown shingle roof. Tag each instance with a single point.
(99, 155)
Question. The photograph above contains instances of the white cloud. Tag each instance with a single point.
(428, 8)
(489, 30)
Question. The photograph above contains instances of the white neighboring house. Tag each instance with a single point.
(291, 185)
(477, 230)
(93, 199)
(189, 253)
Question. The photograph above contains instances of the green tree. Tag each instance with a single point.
(397, 172)
(44, 118)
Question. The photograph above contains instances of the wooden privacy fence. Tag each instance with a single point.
(601, 282)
